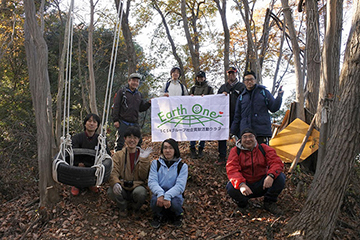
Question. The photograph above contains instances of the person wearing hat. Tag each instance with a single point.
(233, 87)
(173, 87)
(252, 109)
(128, 103)
(167, 182)
(254, 170)
(201, 88)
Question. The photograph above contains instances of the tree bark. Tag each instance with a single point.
(90, 52)
(313, 56)
(193, 45)
(130, 48)
(37, 61)
(222, 11)
(318, 217)
(297, 62)
(330, 72)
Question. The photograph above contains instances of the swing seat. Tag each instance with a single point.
(81, 176)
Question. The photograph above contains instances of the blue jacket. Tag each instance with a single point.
(251, 111)
(165, 181)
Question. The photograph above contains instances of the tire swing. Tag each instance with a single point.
(98, 163)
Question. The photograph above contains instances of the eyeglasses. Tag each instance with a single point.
(247, 136)
(249, 79)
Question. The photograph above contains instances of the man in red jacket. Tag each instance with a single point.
(254, 170)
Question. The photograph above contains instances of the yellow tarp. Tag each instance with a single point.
(287, 143)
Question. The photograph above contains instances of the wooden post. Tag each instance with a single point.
(296, 159)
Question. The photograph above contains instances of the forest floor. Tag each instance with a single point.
(209, 211)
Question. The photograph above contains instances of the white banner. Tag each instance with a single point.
(190, 118)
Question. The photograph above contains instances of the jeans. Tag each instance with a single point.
(176, 206)
(270, 194)
(137, 196)
(193, 144)
(222, 147)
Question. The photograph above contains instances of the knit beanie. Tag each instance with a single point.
(247, 130)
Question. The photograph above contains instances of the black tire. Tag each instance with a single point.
(82, 176)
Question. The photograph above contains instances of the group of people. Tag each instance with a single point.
(253, 168)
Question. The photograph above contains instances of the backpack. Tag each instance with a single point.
(178, 167)
(260, 148)
(262, 93)
(168, 84)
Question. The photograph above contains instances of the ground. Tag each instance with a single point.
(209, 212)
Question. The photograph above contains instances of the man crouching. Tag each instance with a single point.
(254, 170)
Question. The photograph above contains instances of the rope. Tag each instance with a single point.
(110, 81)
(65, 146)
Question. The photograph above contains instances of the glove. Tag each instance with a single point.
(117, 189)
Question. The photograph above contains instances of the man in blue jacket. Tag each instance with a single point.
(252, 109)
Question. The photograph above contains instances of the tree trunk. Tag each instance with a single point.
(313, 57)
(59, 95)
(222, 11)
(330, 69)
(297, 62)
(90, 52)
(168, 34)
(130, 48)
(37, 61)
(194, 50)
(319, 215)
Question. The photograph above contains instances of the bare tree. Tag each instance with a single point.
(330, 72)
(37, 61)
(130, 48)
(319, 215)
(168, 34)
(297, 62)
(313, 58)
(193, 44)
(222, 11)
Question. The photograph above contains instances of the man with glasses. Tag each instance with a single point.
(252, 109)
(128, 103)
(233, 87)
(254, 170)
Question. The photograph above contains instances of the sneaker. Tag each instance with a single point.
(273, 208)
(193, 153)
(75, 191)
(94, 189)
(156, 222)
(201, 152)
(178, 221)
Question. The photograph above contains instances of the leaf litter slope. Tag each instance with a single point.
(209, 212)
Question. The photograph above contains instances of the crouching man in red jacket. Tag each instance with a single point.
(254, 170)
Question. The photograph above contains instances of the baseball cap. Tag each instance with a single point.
(135, 75)
(232, 69)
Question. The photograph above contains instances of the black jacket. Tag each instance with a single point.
(234, 92)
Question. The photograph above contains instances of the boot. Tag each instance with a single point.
(193, 153)
(200, 153)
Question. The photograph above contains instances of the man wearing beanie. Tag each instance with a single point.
(254, 170)
(252, 109)
(200, 88)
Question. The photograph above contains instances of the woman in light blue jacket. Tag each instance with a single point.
(167, 181)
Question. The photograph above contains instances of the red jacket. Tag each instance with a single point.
(251, 166)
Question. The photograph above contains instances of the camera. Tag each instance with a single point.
(128, 184)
